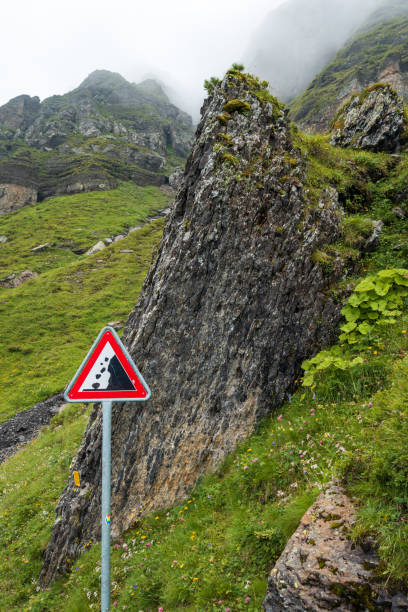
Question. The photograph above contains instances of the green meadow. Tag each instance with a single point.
(214, 550)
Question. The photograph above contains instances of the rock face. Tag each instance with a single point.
(320, 569)
(106, 129)
(229, 310)
(374, 120)
(13, 197)
(15, 280)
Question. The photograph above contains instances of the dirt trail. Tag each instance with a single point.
(25, 425)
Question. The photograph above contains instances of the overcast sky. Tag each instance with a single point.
(49, 47)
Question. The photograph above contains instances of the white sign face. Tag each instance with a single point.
(99, 376)
(107, 373)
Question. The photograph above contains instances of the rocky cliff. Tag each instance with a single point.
(374, 121)
(230, 308)
(106, 129)
(377, 52)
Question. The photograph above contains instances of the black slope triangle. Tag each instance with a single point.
(119, 380)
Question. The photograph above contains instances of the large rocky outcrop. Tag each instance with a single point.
(322, 569)
(106, 129)
(374, 120)
(232, 305)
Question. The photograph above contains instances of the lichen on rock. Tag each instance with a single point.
(229, 310)
(373, 120)
(322, 569)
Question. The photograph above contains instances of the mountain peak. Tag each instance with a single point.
(103, 78)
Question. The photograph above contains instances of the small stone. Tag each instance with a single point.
(99, 246)
(126, 251)
(42, 247)
(3, 239)
(120, 237)
(374, 240)
(398, 212)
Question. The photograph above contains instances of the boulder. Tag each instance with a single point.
(15, 280)
(99, 246)
(372, 120)
(322, 569)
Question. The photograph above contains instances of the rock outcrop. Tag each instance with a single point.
(229, 310)
(15, 280)
(374, 121)
(13, 197)
(321, 569)
(106, 129)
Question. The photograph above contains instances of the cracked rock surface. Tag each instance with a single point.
(321, 569)
(374, 120)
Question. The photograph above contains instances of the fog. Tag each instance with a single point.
(48, 48)
(298, 39)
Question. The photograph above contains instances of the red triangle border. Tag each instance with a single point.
(141, 391)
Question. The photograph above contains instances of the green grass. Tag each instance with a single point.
(50, 322)
(30, 484)
(215, 549)
(221, 542)
(72, 223)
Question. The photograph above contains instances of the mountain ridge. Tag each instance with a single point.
(104, 130)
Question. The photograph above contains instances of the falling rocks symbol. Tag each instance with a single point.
(118, 380)
(107, 373)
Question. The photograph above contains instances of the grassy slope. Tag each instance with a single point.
(72, 223)
(49, 322)
(214, 551)
(362, 58)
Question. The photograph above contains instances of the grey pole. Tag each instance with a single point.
(106, 494)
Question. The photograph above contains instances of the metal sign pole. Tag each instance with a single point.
(106, 494)
(117, 379)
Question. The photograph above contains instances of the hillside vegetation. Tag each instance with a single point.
(214, 550)
(360, 63)
(50, 321)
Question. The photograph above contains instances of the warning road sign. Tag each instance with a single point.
(107, 373)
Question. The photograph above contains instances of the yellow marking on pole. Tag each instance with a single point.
(76, 479)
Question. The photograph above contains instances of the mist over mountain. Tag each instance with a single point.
(299, 38)
(377, 52)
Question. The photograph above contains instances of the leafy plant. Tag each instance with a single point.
(377, 300)
(211, 84)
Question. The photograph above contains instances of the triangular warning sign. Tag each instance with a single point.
(107, 373)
